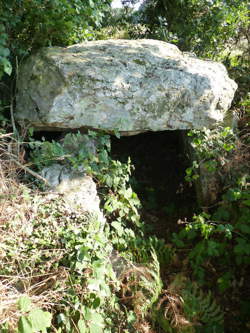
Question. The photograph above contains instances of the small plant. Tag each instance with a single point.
(141, 248)
(202, 310)
(211, 149)
(216, 241)
(64, 255)
(141, 287)
(184, 307)
(34, 320)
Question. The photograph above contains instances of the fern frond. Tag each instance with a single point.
(141, 286)
(200, 307)
(187, 308)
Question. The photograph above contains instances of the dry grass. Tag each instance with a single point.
(10, 188)
(18, 206)
(171, 303)
(41, 294)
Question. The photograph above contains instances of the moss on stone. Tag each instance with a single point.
(140, 62)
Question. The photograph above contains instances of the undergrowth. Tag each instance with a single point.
(216, 241)
(63, 270)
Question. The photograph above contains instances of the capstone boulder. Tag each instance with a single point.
(130, 86)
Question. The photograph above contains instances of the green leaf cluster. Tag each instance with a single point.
(203, 27)
(211, 150)
(38, 23)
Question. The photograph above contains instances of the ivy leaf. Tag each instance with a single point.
(40, 320)
(81, 326)
(95, 328)
(96, 303)
(109, 180)
(97, 318)
(24, 325)
(6, 66)
(233, 195)
(4, 52)
(97, 324)
(24, 303)
(87, 313)
(118, 227)
(94, 285)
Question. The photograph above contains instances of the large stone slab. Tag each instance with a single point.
(131, 86)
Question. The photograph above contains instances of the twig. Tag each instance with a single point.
(5, 135)
(33, 173)
(12, 115)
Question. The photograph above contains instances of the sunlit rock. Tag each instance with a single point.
(77, 189)
(130, 86)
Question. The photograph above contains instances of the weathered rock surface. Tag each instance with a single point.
(128, 85)
(77, 189)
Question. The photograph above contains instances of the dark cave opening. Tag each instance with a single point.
(160, 162)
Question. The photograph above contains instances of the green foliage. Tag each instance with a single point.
(35, 23)
(141, 248)
(89, 245)
(184, 307)
(201, 309)
(55, 241)
(62, 258)
(87, 290)
(216, 241)
(5, 66)
(211, 148)
(221, 236)
(35, 320)
(144, 284)
(121, 203)
(208, 24)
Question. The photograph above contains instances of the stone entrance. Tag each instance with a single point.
(160, 162)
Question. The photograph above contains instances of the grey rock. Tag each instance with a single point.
(77, 189)
(53, 174)
(119, 264)
(208, 185)
(131, 86)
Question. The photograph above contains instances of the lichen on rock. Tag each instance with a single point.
(131, 86)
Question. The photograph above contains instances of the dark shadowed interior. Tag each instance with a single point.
(160, 161)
